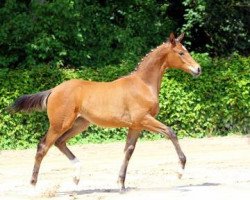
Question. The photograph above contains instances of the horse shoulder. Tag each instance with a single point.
(139, 98)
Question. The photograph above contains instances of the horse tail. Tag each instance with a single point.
(31, 102)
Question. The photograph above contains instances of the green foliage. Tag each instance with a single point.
(97, 33)
(79, 33)
(218, 27)
(216, 103)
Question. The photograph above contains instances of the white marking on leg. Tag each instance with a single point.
(77, 173)
(180, 172)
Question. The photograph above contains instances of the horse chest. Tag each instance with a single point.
(154, 109)
(152, 104)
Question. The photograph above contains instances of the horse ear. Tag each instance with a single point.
(171, 39)
(180, 37)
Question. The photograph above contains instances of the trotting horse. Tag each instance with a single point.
(130, 101)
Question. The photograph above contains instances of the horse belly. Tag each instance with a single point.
(106, 113)
(106, 119)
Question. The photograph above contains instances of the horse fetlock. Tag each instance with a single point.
(121, 184)
(33, 180)
(121, 179)
(183, 161)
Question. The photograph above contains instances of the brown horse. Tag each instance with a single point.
(130, 101)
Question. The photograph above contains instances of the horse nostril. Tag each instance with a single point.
(199, 70)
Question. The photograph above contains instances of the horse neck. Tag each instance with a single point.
(151, 69)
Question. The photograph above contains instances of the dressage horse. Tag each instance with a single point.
(131, 101)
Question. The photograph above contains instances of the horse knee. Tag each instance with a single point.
(131, 148)
(40, 154)
(129, 152)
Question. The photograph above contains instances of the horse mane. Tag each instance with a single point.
(140, 63)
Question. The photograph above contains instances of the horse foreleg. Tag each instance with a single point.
(151, 124)
(79, 125)
(128, 150)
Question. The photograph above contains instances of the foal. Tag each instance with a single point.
(130, 101)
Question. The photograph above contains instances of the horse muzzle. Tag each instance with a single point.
(195, 70)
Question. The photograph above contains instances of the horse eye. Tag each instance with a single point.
(181, 53)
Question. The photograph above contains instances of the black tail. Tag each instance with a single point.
(31, 102)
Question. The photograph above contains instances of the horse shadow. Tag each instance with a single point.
(187, 188)
(182, 188)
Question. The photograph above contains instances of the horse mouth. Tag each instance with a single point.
(196, 74)
(195, 71)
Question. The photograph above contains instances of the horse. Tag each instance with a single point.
(130, 101)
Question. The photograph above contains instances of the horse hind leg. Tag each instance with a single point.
(49, 139)
(79, 125)
(42, 148)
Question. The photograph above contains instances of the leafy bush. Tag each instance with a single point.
(218, 27)
(79, 33)
(216, 103)
(84, 33)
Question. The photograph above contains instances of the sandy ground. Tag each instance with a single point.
(217, 168)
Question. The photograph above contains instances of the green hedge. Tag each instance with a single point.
(216, 103)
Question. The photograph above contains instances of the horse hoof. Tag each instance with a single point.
(180, 173)
(120, 183)
(122, 189)
(73, 195)
(33, 182)
(76, 180)
(180, 176)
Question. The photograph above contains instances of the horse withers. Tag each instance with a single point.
(131, 101)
